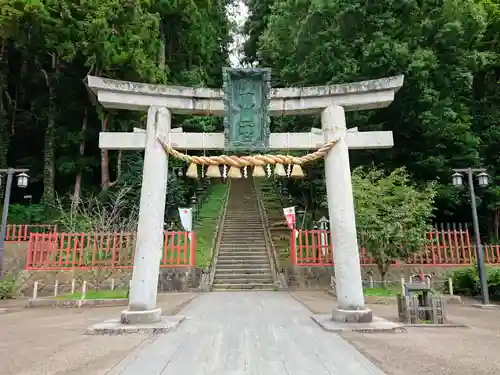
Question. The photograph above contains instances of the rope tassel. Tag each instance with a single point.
(234, 172)
(297, 171)
(258, 171)
(192, 171)
(213, 171)
(279, 170)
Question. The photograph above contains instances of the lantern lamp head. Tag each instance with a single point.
(457, 179)
(22, 180)
(483, 179)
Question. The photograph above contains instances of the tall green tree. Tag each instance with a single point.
(392, 214)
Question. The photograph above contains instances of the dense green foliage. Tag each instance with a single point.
(48, 121)
(446, 114)
(391, 214)
(466, 282)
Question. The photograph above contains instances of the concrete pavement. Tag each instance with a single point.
(261, 333)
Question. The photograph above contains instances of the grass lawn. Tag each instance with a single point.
(206, 225)
(381, 292)
(94, 294)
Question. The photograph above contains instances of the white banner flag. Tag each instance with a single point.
(186, 215)
(290, 217)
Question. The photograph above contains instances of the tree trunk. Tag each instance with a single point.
(496, 222)
(4, 119)
(78, 179)
(161, 49)
(104, 158)
(49, 170)
(4, 128)
(49, 188)
(382, 269)
(105, 179)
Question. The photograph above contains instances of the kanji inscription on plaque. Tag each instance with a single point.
(246, 101)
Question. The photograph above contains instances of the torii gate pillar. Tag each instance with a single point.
(348, 281)
(142, 297)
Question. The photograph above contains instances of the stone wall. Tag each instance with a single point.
(319, 277)
(179, 279)
(170, 279)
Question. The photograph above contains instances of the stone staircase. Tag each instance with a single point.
(243, 261)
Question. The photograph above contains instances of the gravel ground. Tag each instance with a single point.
(435, 351)
(50, 341)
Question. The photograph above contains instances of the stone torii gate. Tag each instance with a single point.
(161, 101)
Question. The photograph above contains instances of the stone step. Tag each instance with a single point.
(233, 229)
(259, 286)
(240, 242)
(243, 253)
(228, 277)
(250, 262)
(242, 265)
(245, 279)
(227, 263)
(241, 215)
(248, 253)
(240, 245)
(244, 271)
(246, 209)
(252, 223)
(253, 220)
(242, 219)
(243, 256)
(244, 224)
(257, 234)
(248, 225)
(232, 250)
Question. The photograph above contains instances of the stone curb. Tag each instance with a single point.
(115, 327)
(446, 325)
(378, 325)
(50, 302)
(486, 307)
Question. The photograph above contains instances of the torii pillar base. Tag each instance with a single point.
(352, 316)
(140, 317)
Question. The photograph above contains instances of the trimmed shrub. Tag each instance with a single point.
(466, 282)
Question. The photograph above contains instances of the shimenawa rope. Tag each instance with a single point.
(238, 162)
(250, 160)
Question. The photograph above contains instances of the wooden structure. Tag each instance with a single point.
(445, 248)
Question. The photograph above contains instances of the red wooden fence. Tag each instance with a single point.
(21, 232)
(66, 251)
(446, 247)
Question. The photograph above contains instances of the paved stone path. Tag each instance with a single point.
(259, 333)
